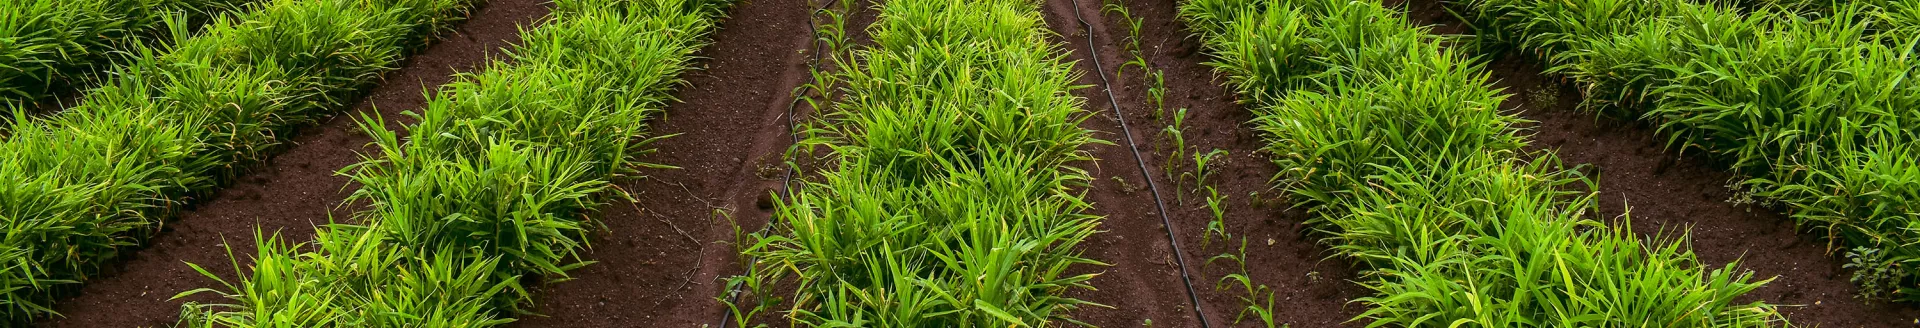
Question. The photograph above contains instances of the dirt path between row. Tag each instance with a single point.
(289, 194)
(660, 260)
(1671, 194)
(1144, 283)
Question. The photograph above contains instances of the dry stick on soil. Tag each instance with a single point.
(686, 278)
(683, 187)
(663, 220)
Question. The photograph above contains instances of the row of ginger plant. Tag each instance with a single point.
(86, 183)
(947, 199)
(1820, 112)
(496, 186)
(51, 46)
(1890, 15)
(1397, 147)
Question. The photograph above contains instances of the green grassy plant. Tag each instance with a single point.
(1174, 135)
(494, 189)
(1258, 299)
(1821, 113)
(749, 294)
(47, 46)
(948, 200)
(1217, 206)
(1398, 148)
(103, 175)
(1887, 15)
(1176, 139)
(1203, 166)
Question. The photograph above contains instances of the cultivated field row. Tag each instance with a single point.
(944, 163)
(1398, 147)
(104, 174)
(1819, 114)
(949, 201)
(54, 47)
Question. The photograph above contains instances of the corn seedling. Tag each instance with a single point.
(1131, 44)
(1155, 79)
(1174, 134)
(1216, 205)
(1397, 147)
(1203, 164)
(1251, 302)
(1133, 25)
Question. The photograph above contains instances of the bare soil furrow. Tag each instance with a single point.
(1145, 283)
(660, 260)
(288, 195)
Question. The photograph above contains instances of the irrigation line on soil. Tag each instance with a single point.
(1161, 205)
(786, 180)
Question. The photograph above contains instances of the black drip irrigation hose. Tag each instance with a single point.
(1161, 205)
(813, 64)
(786, 180)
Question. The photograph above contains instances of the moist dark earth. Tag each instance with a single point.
(1668, 195)
(659, 260)
(287, 195)
(1308, 288)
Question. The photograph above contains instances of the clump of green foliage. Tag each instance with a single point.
(101, 176)
(1821, 113)
(47, 46)
(495, 187)
(1398, 147)
(949, 201)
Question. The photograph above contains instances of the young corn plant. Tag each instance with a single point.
(949, 200)
(1217, 227)
(1819, 112)
(1397, 147)
(1253, 302)
(494, 189)
(102, 175)
(1203, 164)
(1132, 43)
(1259, 298)
(1154, 79)
(1174, 134)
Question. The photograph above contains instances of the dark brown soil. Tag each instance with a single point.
(288, 194)
(1144, 281)
(660, 260)
(1671, 194)
(1308, 288)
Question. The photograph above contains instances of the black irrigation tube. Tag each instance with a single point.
(813, 64)
(1161, 205)
(786, 180)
